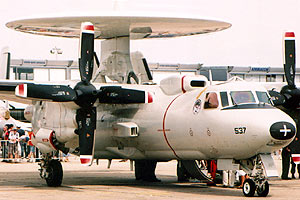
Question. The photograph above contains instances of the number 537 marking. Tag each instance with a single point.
(240, 130)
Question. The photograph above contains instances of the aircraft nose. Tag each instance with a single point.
(282, 130)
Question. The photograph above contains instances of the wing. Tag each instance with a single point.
(7, 91)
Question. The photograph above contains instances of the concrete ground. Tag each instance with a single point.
(22, 181)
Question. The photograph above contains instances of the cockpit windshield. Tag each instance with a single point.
(242, 97)
(245, 100)
(263, 97)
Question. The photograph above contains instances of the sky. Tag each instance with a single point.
(255, 38)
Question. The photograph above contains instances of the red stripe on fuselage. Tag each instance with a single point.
(164, 128)
(182, 85)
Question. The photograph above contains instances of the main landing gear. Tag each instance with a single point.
(145, 170)
(51, 170)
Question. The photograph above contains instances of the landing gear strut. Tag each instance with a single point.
(257, 181)
(51, 170)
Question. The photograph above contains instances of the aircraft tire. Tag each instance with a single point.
(249, 188)
(55, 174)
(263, 191)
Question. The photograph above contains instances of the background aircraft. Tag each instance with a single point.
(183, 118)
(6, 118)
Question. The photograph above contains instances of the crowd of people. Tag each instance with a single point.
(16, 144)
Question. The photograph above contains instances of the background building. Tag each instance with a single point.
(59, 70)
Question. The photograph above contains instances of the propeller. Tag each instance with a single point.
(289, 58)
(84, 94)
(289, 96)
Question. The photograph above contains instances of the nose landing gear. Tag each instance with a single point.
(257, 181)
(51, 170)
(249, 187)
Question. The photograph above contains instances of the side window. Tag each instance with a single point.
(224, 99)
(211, 100)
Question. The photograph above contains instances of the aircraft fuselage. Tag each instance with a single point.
(177, 126)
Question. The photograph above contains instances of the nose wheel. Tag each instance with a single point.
(261, 188)
(249, 188)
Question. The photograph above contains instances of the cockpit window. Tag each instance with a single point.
(211, 100)
(263, 97)
(224, 99)
(241, 97)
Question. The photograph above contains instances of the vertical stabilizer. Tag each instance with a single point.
(4, 63)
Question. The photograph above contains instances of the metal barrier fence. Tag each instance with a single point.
(22, 151)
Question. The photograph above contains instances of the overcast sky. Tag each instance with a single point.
(255, 37)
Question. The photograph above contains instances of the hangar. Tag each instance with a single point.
(59, 70)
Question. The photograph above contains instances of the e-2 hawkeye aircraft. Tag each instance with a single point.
(183, 118)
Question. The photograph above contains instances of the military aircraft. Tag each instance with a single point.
(7, 118)
(184, 117)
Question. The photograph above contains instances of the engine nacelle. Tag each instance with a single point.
(57, 117)
(180, 84)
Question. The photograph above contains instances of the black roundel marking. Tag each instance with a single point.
(282, 130)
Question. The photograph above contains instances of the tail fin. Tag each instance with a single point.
(4, 63)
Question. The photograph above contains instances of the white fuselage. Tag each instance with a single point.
(172, 127)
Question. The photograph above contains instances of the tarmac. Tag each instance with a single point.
(22, 181)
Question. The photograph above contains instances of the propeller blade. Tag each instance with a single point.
(289, 58)
(119, 95)
(86, 120)
(86, 54)
(58, 93)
